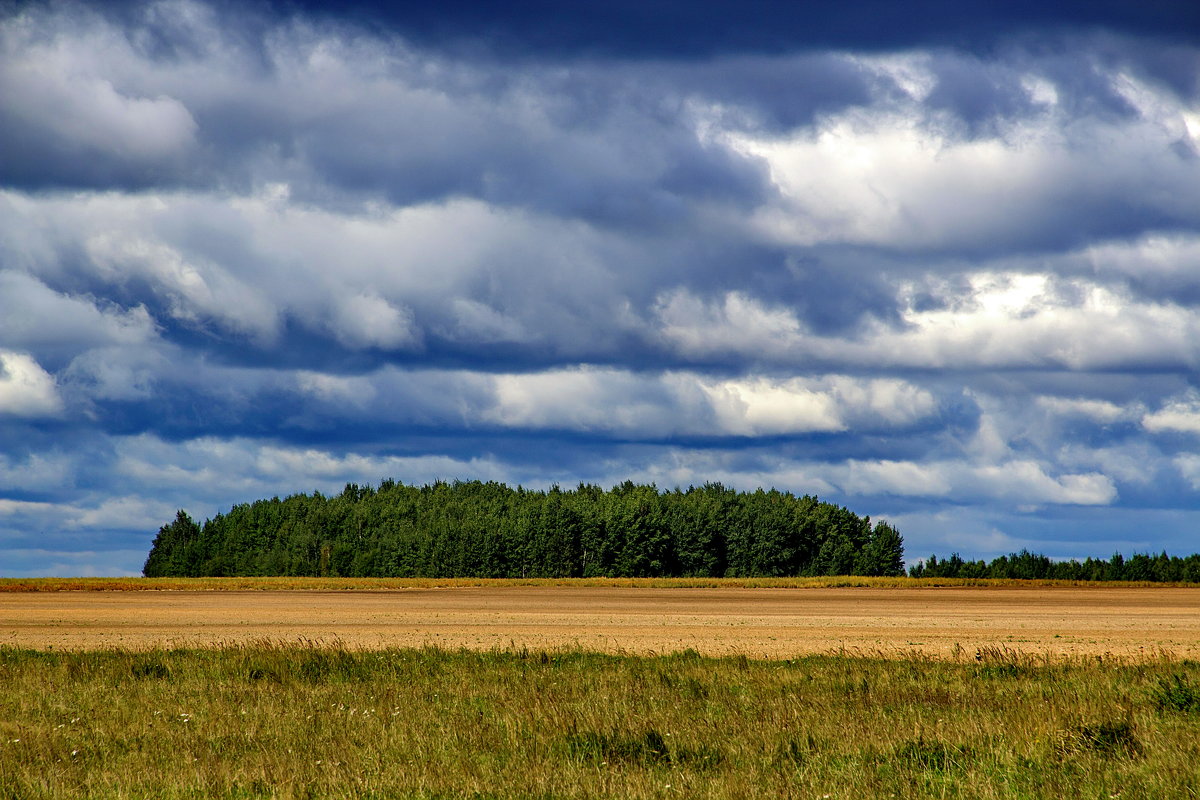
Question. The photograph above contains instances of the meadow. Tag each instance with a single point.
(298, 721)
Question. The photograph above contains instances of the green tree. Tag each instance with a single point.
(174, 549)
(883, 553)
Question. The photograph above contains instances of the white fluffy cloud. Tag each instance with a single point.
(26, 304)
(200, 471)
(764, 407)
(61, 86)
(1023, 482)
(1181, 414)
(1188, 465)
(368, 320)
(906, 177)
(994, 321)
(461, 270)
(1101, 411)
(677, 403)
(26, 390)
(193, 293)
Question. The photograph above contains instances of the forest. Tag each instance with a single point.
(1159, 568)
(489, 530)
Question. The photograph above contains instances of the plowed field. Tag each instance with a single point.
(777, 623)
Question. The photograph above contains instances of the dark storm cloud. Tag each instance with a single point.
(423, 127)
(611, 144)
(978, 96)
(682, 29)
(346, 117)
(776, 93)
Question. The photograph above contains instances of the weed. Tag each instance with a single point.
(333, 664)
(150, 669)
(796, 750)
(263, 674)
(1175, 693)
(647, 748)
(920, 754)
(1108, 739)
(1000, 671)
(694, 689)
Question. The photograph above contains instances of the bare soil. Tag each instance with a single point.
(775, 623)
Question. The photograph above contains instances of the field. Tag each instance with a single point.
(765, 622)
(549, 691)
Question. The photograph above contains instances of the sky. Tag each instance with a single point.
(937, 262)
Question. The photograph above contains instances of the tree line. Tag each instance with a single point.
(477, 529)
(1138, 567)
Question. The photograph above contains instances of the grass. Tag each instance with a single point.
(385, 584)
(288, 721)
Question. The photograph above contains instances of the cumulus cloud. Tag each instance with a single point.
(994, 320)
(478, 322)
(1189, 467)
(367, 320)
(1180, 414)
(906, 176)
(679, 403)
(735, 323)
(189, 292)
(1136, 465)
(121, 512)
(26, 304)
(35, 471)
(1101, 411)
(63, 111)
(26, 390)
(23, 523)
(1028, 483)
(763, 406)
(107, 373)
(461, 273)
(1024, 482)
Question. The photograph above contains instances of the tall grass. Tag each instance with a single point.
(293, 721)
(384, 584)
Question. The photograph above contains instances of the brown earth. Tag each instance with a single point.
(775, 623)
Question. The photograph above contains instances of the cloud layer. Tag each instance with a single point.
(242, 254)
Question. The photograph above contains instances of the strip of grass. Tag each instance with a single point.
(291, 721)
(266, 584)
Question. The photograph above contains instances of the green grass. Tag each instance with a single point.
(292, 721)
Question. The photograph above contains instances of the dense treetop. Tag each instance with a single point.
(476, 529)
(1159, 568)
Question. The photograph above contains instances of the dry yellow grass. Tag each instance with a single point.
(271, 721)
(762, 622)
(275, 584)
